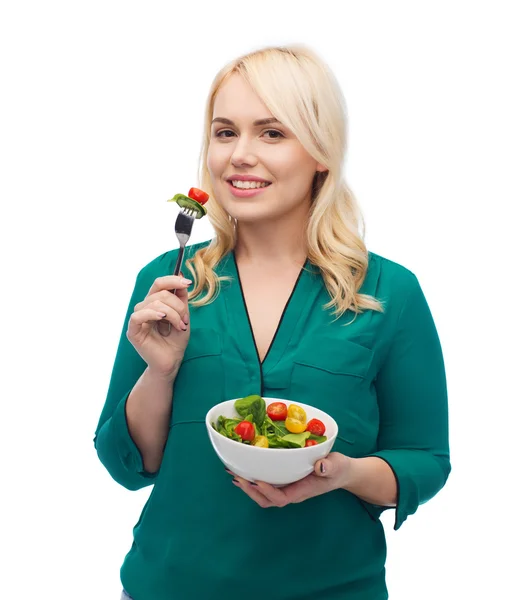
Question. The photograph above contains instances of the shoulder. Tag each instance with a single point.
(164, 264)
(394, 279)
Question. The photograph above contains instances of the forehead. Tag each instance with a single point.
(236, 99)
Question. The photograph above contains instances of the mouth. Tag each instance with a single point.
(253, 189)
(248, 185)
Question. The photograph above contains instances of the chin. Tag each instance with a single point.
(248, 216)
(244, 209)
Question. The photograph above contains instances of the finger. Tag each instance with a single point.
(252, 491)
(171, 282)
(276, 496)
(178, 303)
(172, 316)
(164, 299)
(180, 293)
(139, 320)
(168, 298)
(331, 466)
(253, 494)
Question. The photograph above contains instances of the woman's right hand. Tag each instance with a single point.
(163, 353)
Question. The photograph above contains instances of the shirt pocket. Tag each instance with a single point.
(332, 374)
(199, 384)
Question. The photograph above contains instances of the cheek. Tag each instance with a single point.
(296, 180)
(215, 161)
(293, 166)
(210, 163)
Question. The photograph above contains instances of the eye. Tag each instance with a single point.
(278, 133)
(219, 133)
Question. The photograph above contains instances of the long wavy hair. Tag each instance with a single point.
(302, 93)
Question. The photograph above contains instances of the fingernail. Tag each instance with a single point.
(183, 327)
(186, 319)
(322, 468)
(236, 481)
(253, 483)
(186, 281)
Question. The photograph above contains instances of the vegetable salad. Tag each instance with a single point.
(194, 202)
(273, 426)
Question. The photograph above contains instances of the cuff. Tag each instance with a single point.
(403, 466)
(127, 449)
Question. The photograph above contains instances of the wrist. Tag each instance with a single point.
(348, 473)
(371, 479)
(166, 378)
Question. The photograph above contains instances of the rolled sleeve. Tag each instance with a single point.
(114, 445)
(118, 452)
(413, 405)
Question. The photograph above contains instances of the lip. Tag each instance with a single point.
(247, 178)
(246, 193)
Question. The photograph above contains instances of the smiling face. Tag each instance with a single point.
(243, 144)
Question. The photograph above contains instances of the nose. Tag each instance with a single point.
(242, 154)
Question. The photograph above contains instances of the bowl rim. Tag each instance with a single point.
(272, 450)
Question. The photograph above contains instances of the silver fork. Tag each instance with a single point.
(183, 227)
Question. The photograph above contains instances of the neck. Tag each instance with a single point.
(280, 242)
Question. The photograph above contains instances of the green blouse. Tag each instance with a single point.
(383, 380)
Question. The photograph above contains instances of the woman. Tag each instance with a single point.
(286, 302)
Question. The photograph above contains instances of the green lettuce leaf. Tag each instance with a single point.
(226, 427)
(275, 431)
(252, 405)
(278, 427)
(297, 440)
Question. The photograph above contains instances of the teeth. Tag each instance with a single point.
(247, 185)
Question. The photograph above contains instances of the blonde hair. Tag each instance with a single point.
(303, 94)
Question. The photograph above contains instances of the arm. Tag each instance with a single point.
(148, 413)
(411, 463)
(372, 480)
(413, 433)
(134, 422)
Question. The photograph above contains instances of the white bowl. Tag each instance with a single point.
(277, 466)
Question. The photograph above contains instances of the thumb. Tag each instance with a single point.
(330, 466)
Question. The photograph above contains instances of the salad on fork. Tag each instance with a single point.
(192, 207)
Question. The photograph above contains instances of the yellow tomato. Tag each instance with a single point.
(296, 412)
(294, 425)
(261, 441)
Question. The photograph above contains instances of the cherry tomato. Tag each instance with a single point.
(310, 443)
(296, 421)
(198, 195)
(294, 426)
(316, 427)
(261, 441)
(246, 431)
(296, 412)
(277, 411)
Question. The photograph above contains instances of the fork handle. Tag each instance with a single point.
(176, 271)
(178, 264)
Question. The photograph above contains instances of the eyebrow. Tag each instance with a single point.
(257, 123)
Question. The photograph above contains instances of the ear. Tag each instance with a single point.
(320, 168)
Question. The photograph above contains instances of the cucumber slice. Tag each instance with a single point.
(189, 203)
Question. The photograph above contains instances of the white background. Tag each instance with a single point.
(101, 122)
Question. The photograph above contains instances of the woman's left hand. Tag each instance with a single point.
(330, 473)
